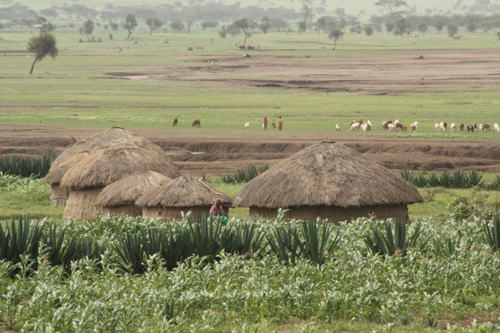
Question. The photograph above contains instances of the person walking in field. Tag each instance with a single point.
(280, 123)
(264, 123)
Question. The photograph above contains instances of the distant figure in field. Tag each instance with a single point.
(273, 124)
(175, 122)
(280, 123)
(264, 123)
(196, 123)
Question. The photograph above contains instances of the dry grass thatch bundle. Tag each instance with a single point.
(183, 192)
(326, 174)
(106, 139)
(127, 190)
(109, 165)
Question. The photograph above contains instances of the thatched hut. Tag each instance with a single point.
(183, 194)
(86, 179)
(118, 198)
(58, 194)
(328, 180)
(108, 138)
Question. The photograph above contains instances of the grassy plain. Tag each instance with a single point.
(76, 90)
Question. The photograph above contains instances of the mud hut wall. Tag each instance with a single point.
(81, 204)
(122, 211)
(174, 214)
(334, 214)
(58, 195)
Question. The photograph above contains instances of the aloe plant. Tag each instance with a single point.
(284, 242)
(459, 179)
(393, 240)
(493, 233)
(318, 241)
(474, 178)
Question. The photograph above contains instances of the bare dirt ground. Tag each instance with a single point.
(211, 154)
(379, 73)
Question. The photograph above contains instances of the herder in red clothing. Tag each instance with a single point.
(264, 123)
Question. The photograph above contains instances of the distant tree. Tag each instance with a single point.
(130, 24)
(368, 30)
(422, 28)
(88, 28)
(335, 35)
(114, 26)
(307, 13)
(302, 26)
(389, 26)
(391, 5)
(471, 27)
(325, 22)
(41, 46)
(439, 25)
(209, 24)
(402, 27)
(265, 24)
(242, 26)
(222, 32)
(177, 25)
(153, 24)
(452, 30)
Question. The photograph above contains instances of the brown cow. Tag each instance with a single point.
(462, 126)
(175, 122)
(196, 123)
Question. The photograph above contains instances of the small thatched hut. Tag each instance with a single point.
(328, 180)
(86, 179)
(186, 193)
(118, 198)
(108, 138)
(58, 194)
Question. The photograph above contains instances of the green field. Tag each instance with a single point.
(75, 90)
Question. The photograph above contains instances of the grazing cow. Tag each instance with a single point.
(196, 123)
(251, 48)
(337, 128)
(496, 127)
(247, 124)
(355, 126)
(273, 124)
(484, 127)
(391, 127)
(414, 127)
(462, 127)
(453, 127)
(437, 127)
(404, 128)
(396, 122)
(443, 126)
(385, 124)
(470, 128)
(175, 122)
(242, 47)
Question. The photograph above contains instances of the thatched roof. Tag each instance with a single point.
(183, 192)
(127, 190)
(107, 138)
(109, 165)
(57, 172)
(326, 174)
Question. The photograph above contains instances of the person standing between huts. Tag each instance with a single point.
(217, 212)
(264, 123)
(280, 123)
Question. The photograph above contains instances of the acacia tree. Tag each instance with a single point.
(42, 45)
(265, 24)
(88, 28)
(130, 24)
(390, 5)
(242, 26)
(154, 24)
(335, 34)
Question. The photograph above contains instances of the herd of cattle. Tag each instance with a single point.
(396, 125)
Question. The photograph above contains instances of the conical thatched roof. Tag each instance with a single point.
(326, 174)
(182, 192)
(106, 139)
(57, 172)
(127, 190)
(109, 165)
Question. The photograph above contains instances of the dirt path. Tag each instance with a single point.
(214, 154)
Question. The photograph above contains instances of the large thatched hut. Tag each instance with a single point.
(328, 180)
(107, 138)
(118, 198)
(86, 179)
(183, 194)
